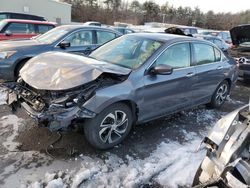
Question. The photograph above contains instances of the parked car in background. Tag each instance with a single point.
(92, 23)
(123, 30)
(121, 82)
(241, 50)
(227, 162)
(188, 30)
(71, 38)
(22, 16)
(225, 35)
(216, 40)
(23, 29)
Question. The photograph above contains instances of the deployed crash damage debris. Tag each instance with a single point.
(227, 163)
(60, 96)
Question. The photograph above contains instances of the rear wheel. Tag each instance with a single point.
(220, 95)
(110, 127)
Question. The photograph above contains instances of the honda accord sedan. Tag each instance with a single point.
(130, 80)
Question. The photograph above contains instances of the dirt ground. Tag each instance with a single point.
(37, 146)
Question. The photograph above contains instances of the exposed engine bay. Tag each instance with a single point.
(227, 163)
(56, 109)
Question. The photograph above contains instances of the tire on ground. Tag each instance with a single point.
(219, 90)
(92, 127)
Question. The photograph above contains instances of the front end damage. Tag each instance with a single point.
(227, 163)
(56, 109)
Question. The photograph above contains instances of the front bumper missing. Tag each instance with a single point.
(56, 117)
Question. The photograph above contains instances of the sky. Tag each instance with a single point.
(232, 6)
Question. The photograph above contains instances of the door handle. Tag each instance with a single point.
(190, 74)
(219, 67)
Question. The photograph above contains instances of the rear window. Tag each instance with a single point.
(44, 28)
(203, 53)
(21, 28)
(104, 36)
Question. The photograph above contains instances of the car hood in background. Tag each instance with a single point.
(61, 71)
(13, 44)
(240, 34)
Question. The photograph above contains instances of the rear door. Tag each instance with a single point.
(164, 94)
(209, 70)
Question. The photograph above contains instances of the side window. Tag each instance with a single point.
(217, 55)
(203, 53)
(177, 56)
(21, 28)
(80, 38)
(44, 28)
(104, 36)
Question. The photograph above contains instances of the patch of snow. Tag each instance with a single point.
(14, 122)
(84, 175)
(56, 183)
(3, 96)
(170, 165)
(234, 101)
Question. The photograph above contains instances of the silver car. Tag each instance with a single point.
(130, 80)
(227, 163)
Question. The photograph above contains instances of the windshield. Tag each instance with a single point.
(52, 35)
(127, 51)
(2, 24)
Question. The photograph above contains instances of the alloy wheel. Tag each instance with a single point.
(113, 126)
(221, 94)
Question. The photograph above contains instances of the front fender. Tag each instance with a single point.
(110, 95)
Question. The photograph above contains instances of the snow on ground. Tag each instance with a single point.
(3, 96)
(171, 164)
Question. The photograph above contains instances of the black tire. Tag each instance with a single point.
(220, 95)
(103, 132)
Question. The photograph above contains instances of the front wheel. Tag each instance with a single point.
(110, 127)
(220, 95)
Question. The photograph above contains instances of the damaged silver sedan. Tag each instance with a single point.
(130, 80)
(227, 163)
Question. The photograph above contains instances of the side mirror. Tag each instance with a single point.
(7, 33)
(161, 69)
(64, 44)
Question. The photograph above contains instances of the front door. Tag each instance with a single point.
(165, 94)
(80, 42)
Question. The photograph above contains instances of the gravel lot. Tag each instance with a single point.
(161, 153)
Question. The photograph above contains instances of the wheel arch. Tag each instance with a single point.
(19, 64)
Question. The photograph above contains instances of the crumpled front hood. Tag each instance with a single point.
(240, 34)
(61, 71)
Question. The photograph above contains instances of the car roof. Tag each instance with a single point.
(30, 21)
(164, 37)
(74, 27)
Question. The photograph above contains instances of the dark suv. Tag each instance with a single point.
(241, 50)
(71, 38)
